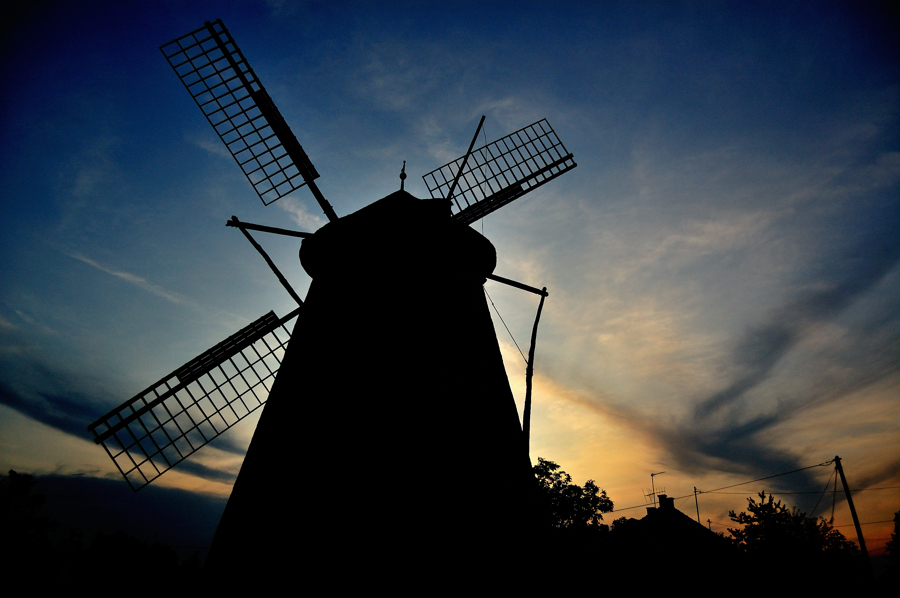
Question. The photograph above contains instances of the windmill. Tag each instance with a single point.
(392, 393)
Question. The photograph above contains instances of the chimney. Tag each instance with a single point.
(666, 503)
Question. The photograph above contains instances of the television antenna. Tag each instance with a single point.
(345, 376)
(651, 495)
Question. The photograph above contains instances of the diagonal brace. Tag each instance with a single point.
(287, 287)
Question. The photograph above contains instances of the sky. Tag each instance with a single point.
(722, 264)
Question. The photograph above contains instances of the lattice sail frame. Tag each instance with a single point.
(164, 424)
(236, 104)
(502, 171)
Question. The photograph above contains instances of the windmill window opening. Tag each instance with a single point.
(147, 448)
(216, 84)
(230, 418)
(227, 132)
(172, 430)
(147, 469)
(195, 414)
(277, 180)
(172, 455)
(138, 432)
(206, 407)
(207, 430)
(160, 434)
(161, 413)
(240, 408)
(251, 377)
(115, 444)
(184, 422)
(240, 385)
(228, 393)
(124, 461)
(188, 74)
(134, 447)
(161, 438)
(195, 438)
(217, 375)
(218, 399)
(184, 447)
(218, 424)
(160, 463)
(148, 421)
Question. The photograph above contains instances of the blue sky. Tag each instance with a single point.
(722, 265)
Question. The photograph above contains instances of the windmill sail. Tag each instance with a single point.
(164, 424)
(226, 89)
(501, 172)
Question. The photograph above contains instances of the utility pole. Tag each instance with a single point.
(697, 504)
(859, 534)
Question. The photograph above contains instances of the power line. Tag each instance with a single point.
(628, 508)
(766, 478)
(779, 494)
(866, 523)
(845, 525)
(504, 325)
(810, 491)
(824, 490)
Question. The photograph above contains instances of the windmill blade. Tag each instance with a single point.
(236, 104)
(501, 172)
(164, 424)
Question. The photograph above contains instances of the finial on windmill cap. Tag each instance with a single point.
(402, 175)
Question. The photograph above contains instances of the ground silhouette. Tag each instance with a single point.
(52, 555)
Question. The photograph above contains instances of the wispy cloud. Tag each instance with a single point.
(134, 279)
(794, 363)
(209, 144)
(90, 177)
(43, 328)
(213, 474)
(64, 410)
(300, 214)
(94, 166)
(762, 346)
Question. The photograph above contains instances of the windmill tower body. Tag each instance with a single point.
(391, 410)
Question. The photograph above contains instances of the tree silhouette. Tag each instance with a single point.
(783, 545)
(772, 531)
(571, 506)
(892, 547)
(890, 577)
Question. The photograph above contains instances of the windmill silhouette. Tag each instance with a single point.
(390, 382)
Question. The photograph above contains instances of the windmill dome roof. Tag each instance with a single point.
(394, 236)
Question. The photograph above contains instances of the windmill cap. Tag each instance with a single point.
(398, 235)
